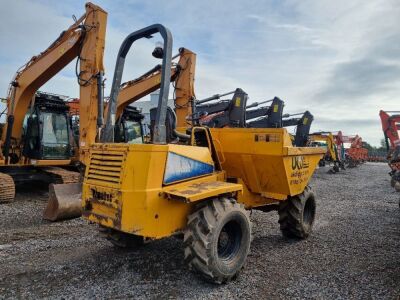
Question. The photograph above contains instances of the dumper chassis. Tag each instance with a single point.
(202, 183)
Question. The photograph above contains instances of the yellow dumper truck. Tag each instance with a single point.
(201, 184)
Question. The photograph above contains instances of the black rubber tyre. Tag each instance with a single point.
(395, 178)
(397, 186)
(217, 240)
(123, 240)
(336, 168)
(321, 163)
(297, 214)
(392, 182)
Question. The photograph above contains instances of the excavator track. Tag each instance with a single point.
(7, 188)
(60, 175)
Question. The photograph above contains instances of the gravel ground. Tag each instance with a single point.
(354, 251)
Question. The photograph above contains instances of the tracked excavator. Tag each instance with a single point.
(43, 147)
(339, 141)
(29, 152)
(129, 129)
(391, 125)
(201, 183)
(331, 155)
(356, 154)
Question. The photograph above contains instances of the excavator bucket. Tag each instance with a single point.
(64, 202)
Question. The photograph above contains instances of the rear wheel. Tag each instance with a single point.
(217, 240)
(297, 214)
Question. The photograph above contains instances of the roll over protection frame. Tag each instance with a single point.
(159, 128)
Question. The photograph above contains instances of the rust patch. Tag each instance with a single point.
(199, 187)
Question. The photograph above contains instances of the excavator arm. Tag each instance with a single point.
(83, 40)
(182, 74)
(328, 138)
(390, 129)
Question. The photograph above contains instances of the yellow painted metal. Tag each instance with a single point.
(266, 160)
(196, 191)
(138, 88)
(182, 74)
(131, 196)
(123, 187)
(184, 86)
(330, 142)
(252, 200)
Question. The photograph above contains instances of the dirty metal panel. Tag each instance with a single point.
(198, 191)
(101, 205)
(179, 167)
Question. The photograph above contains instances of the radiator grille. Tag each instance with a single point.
(106, 167)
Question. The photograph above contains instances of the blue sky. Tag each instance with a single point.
(338, 59)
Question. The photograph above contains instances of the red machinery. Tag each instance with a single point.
(390, 127)
(338, 137)
(356, 154)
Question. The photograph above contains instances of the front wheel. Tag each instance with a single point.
(297, 215)
(217, 240)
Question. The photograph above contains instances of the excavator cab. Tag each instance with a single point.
(47, 133)
(128, 128)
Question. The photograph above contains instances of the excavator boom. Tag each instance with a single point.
(83, 40)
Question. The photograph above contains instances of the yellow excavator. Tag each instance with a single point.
(326, 138)
(36, 140)
(200, 183)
